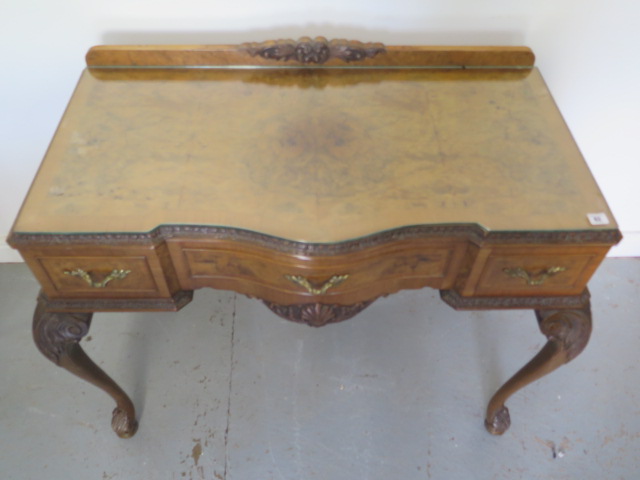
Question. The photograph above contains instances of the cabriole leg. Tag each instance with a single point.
(568, 332)
(57, 335)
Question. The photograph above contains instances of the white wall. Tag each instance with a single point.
(586, 49)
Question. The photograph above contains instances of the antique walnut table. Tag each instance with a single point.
(315, 176)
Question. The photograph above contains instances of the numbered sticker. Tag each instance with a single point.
(598, 218)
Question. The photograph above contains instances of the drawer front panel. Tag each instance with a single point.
(101, 276)
(205, 264)
(536, 272)
(274, 275)
(219, 264)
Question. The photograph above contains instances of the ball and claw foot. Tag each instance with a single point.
(123, 424)
(499, 423)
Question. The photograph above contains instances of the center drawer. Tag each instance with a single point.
(288, 277)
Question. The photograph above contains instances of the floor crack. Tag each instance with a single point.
(226, 431)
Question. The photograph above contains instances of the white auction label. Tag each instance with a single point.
(598, 218)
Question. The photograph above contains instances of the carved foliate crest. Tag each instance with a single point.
(314, 51)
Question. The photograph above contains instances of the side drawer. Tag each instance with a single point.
(95, 272)
(532, 271)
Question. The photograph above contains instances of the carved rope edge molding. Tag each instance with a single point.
(470, 232)
(317, 50)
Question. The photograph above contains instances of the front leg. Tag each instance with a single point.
(567, 331)
(57, 335)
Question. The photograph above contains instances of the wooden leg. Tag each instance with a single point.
(57, 335)
(568, 332)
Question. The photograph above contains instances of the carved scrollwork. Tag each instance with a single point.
(53, 331)
(316, 314)
(314, 51)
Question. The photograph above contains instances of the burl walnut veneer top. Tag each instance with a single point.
(314, 154)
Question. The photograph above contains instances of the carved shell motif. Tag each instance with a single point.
(317, 50)
(316, 314)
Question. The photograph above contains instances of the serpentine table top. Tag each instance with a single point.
(316, 176)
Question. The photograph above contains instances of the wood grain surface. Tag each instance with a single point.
(312, 155)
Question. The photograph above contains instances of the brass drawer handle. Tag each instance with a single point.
(114, 275)
(533, 278)
(303, 282)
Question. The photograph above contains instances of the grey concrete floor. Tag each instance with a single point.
(226, 390)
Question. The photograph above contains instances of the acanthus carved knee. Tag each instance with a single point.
(53, 332)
